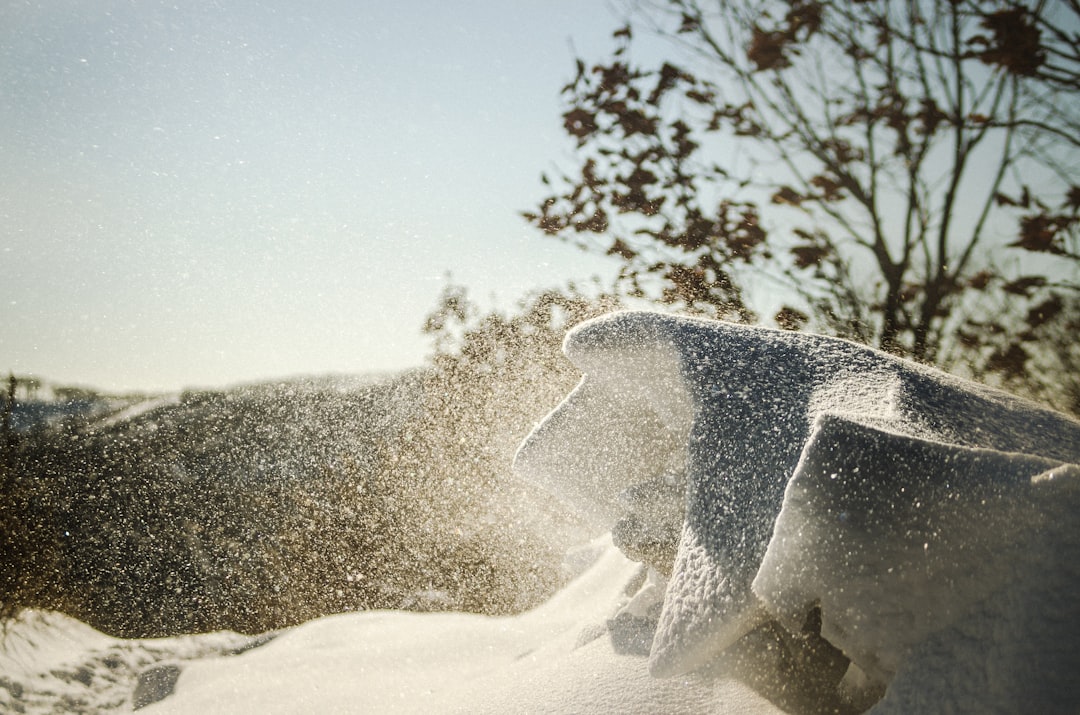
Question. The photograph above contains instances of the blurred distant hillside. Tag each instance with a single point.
(249, 508)
(38, 403)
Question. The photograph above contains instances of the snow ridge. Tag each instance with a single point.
(778, 436)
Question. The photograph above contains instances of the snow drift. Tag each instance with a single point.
(824, 528)
(928, 523)
(557, 658)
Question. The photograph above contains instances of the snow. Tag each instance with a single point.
(823, 527)
(138, 409)
(50, 663)
(557, 658)
(625, 422)
(947, 573)
(746, 409)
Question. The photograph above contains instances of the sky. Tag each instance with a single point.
(200, 193)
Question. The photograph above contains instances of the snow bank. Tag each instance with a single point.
(557, 658)
(938, 569)
(906, 502)
(568, 655)
(50, 663)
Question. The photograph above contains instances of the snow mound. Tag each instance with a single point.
(945, 572)
(557, 658)
(902, 502)
(51, 663)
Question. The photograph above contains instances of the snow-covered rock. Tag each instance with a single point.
(870, 463)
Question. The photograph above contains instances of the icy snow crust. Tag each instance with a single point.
(931, 519)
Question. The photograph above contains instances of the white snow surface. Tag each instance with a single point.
(554, 659)
(931, 520)
(948, 573)
(558, 658)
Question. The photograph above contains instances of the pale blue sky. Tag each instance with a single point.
(201, 193)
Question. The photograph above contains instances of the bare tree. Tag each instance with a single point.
(888, 165)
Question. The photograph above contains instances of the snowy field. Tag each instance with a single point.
(821, 528)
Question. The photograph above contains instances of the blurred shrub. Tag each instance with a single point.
(493, 377)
